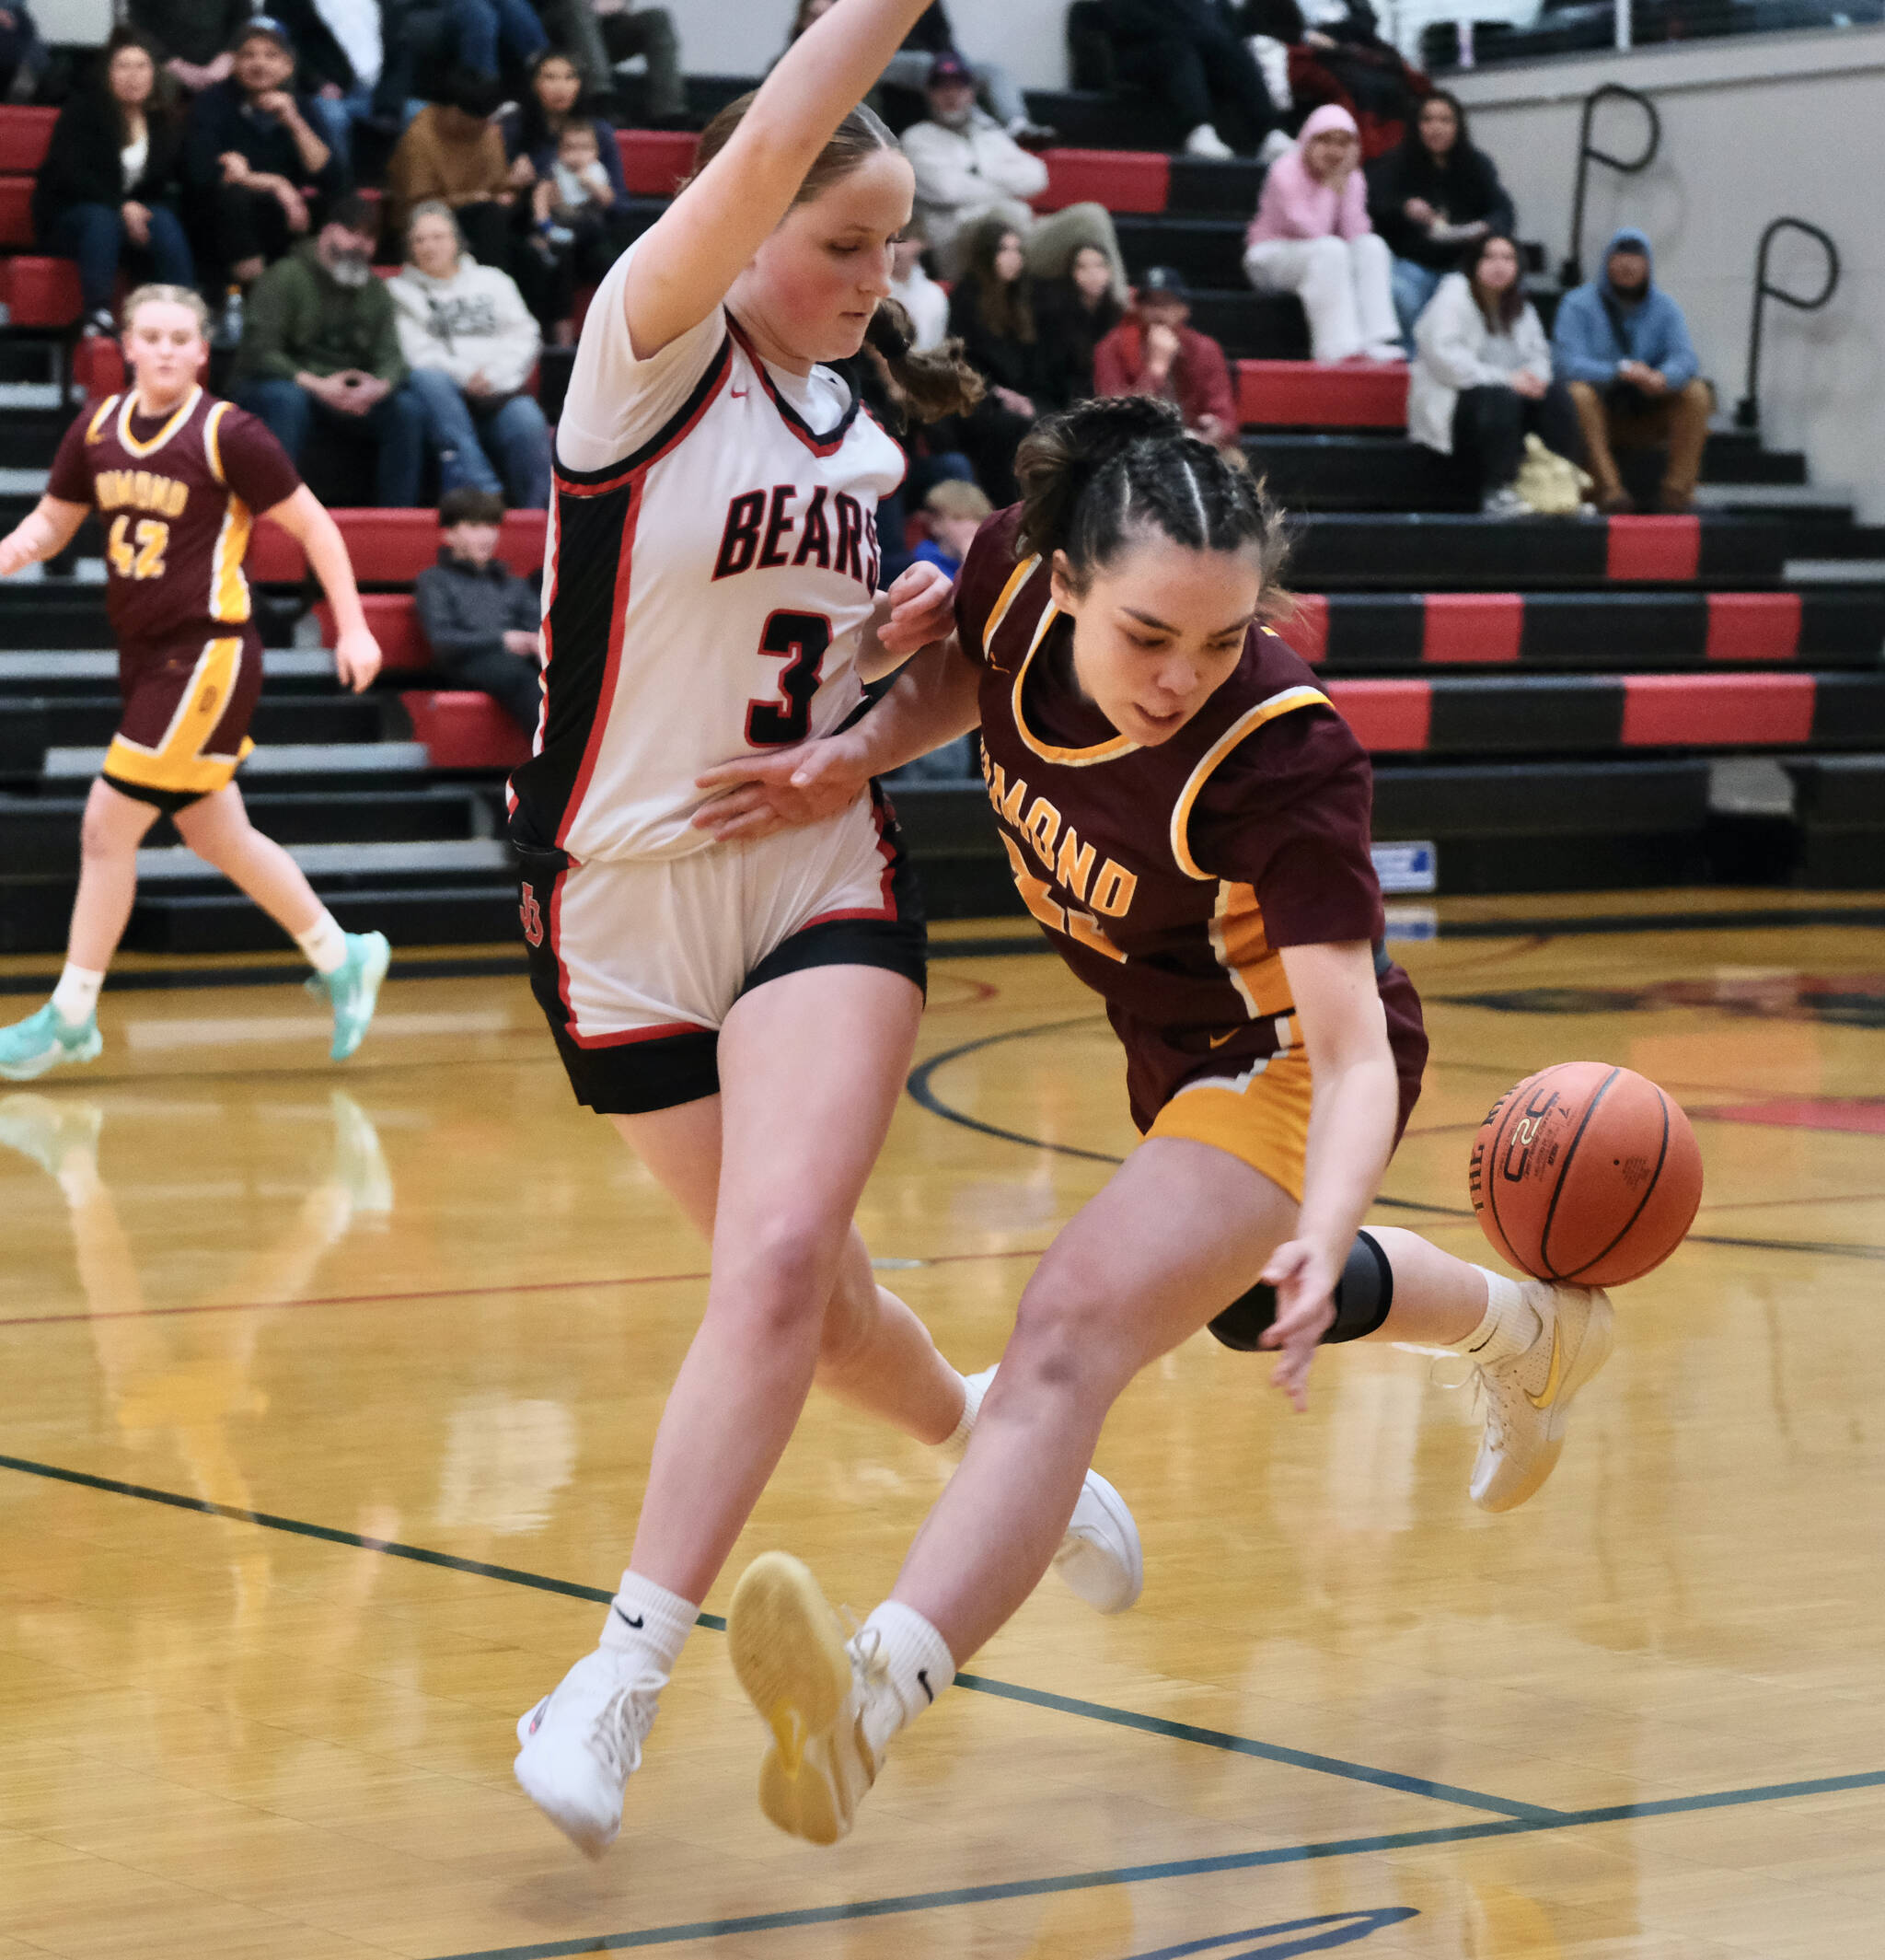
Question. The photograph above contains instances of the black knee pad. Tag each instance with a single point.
(1363, 1295)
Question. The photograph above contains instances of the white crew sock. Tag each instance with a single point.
(917, 1658)
(1510, 1324)
(648, 1619)
(76, 996)
(973, 1390)
(325, 944)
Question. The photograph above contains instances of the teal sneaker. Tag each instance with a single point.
(355, 989)
(43, 1042)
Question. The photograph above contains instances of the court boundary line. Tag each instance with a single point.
(675, 1935)
(918, 1088)
(1158, 1725)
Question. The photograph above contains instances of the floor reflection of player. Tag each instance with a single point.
(188, 1378)
(178, 479)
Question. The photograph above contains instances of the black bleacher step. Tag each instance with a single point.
(1252, 326)
(55, 673)
(33, 435)
(52, 612)
(1728, 459)
(1613, 629)
(29, 356)
(473, 913)
(709, 93)
(1840, 802)
(1090, 121)
(1198, 189)
(1208, 251)
(77, 722)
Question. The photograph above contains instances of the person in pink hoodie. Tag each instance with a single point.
(1311, 236)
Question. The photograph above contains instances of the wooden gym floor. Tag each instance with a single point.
(327, 1393)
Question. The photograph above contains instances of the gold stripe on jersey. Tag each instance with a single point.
(213, 440)
(95, 429)
(1247, 723)
(1010, 593)
(1073, 757)
(131, 446)
(1261, 1117)
(1244, 952)
(229, 582)
(178, 762)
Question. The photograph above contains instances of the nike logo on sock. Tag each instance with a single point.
(637, 1623)
(923, 1682)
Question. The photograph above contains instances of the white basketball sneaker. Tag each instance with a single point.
(1100, 1558)
(828, 1701)
(581, 1743)
(1528, 1395)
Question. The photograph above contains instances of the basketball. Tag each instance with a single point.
(1585, 1172)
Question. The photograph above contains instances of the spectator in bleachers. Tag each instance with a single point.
(577, 233)
(191, 39)
(932, 35)
(1623, 346)
(1432, 198)
(968, 168)
(553, 101)
(1481, 378)
(956, 512)
(1075, 314)
(911, 286)
(453, 153)
(24, 57)
(257, 167)
(470, 346)
(602, 34)
(483, 624)
(1311, 236)
(1157, 350)
(105, 192)
(1337, 56)
(991, 311)
(320, 346)
(342, 52)
(1191, 55)
(491, 37)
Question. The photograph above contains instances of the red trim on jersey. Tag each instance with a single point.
(819, 445)
(880, 816)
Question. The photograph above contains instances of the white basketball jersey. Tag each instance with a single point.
(706, 592)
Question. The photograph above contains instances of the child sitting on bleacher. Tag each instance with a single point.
(571, 206)
(482, 621)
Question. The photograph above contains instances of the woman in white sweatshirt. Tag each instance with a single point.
(1482, 380)
(471, 345)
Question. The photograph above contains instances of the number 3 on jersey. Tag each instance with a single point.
(802, 640)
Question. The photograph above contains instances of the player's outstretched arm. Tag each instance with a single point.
(1351, 1136)
(304, 519)
(933, 700)
(686, 264)
(46, 529)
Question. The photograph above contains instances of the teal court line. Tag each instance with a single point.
(1416, 1786)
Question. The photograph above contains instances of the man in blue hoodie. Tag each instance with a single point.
(1622, 347)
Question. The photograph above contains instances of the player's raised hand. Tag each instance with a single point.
(356, 658)
(759, 794)
(1305, 1276)
(922, 611)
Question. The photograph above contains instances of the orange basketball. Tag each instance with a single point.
(1585, 1172)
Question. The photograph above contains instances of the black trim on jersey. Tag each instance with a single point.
(718, 369)
(826, 445)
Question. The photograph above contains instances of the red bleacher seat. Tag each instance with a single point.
(1367, 395)
(1128, 180)
(393, 620)
(16, 213)
(1386, 715)
(23, 135)
(654, 160)
(38, 292)
(393, 547)
(463, 730)
(97, 366)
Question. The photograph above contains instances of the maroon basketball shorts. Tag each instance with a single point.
(185, 727)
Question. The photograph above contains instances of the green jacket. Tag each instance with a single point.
(299, 320)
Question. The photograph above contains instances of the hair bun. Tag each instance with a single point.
(1062, 454)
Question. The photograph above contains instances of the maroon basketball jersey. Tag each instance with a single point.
(1169, 877)
(176, 496)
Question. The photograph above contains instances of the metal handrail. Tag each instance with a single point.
(1572, 272)
(1747, 414)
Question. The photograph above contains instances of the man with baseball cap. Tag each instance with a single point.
(253, 159)
(1156, 351)
(968, 168)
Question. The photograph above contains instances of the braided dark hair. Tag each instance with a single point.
(1109, 471)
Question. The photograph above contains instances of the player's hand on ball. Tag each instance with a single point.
(759, 794)
(1305, 1276)
(922, 611)
(356, 658)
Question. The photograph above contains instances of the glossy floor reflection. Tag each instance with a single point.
(422, 1303)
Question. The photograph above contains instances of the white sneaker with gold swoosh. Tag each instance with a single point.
(1528, 1395)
